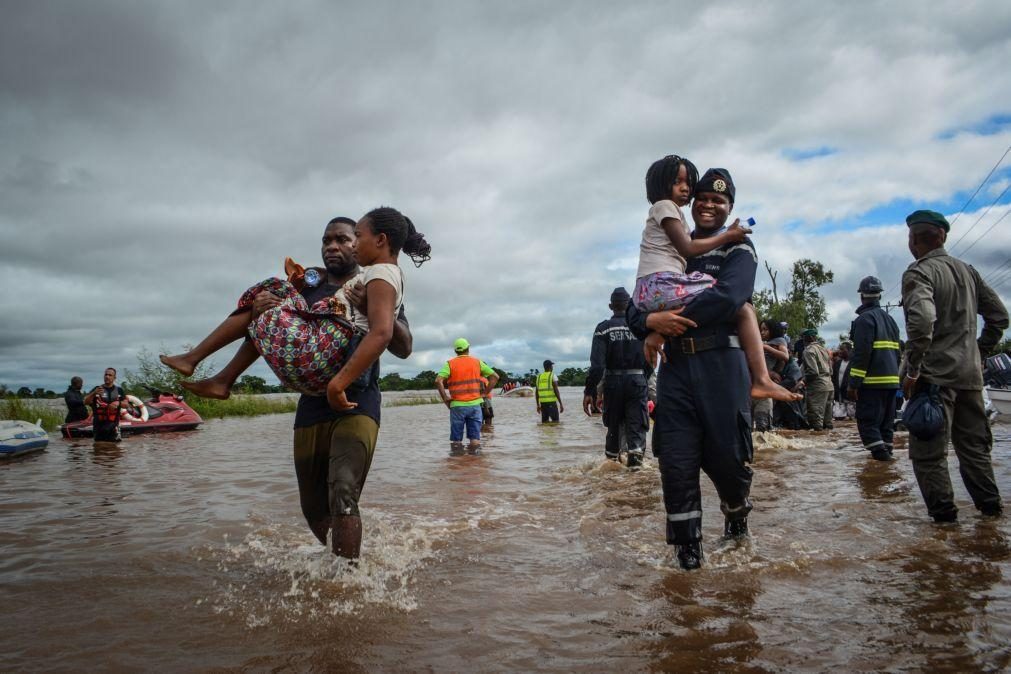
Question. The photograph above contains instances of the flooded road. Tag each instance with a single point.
(188, 552)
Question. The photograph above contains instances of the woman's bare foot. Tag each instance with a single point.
(178, 363)
(770, 389)
(208, 388)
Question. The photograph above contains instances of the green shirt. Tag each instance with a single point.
(486, 371)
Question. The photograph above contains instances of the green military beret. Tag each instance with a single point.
(810, 332)
(930, 217)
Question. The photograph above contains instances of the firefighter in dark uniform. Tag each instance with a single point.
(703, 408)
(616, 357)
(874, 370)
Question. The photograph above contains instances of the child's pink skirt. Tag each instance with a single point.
(669, 290)
(304, 346)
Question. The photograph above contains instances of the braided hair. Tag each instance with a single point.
(662, 175)
(401, 233)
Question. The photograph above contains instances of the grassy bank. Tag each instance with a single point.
(31, 411)
(407, 402)
(241, 406)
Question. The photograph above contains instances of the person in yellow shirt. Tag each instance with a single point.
(549, 400)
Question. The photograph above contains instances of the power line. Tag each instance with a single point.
(988, 229)
(997, 271)
(992, 204)
(966, 205)
(997, 281)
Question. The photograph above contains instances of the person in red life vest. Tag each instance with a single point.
(104, 401)
(461, 389)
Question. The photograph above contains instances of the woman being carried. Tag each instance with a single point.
(661, 282)
(325, 347)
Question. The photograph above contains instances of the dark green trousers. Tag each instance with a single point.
(968, 430)
(819, 406)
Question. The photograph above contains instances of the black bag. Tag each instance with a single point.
(923, 415)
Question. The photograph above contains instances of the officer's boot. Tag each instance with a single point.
(690, 555)
(634, 459)
(347, 536)
(736, 528)
(881, 453)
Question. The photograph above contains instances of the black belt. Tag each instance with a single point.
(622, 372)
(692, 345)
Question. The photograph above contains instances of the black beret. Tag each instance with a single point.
(929, 217)
(717, 180)
(620, 295)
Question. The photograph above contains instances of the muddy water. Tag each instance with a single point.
(187, 552)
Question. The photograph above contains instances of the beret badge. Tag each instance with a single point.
(719, 185)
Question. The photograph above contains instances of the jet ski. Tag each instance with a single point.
(164, 412)
(21, 437)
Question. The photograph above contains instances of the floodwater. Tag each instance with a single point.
(188, 552)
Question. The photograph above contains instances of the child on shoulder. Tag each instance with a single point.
(323, 348)
(661, 282)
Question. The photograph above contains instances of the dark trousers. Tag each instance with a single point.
(625, 410)
(549, 412)
(876, 417)
(703, 422)
(104, 431)
(968, 430)
(819, 405)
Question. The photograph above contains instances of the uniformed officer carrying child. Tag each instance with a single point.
(703, 411)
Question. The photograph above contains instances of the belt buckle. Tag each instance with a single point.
(687, 345)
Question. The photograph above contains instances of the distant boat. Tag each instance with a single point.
(21, 437)
(1000, 398)
(164, 412)
(519, 392)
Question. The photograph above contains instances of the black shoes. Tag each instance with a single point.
(992, 511)
(946, 517)
(634, 460)
(690, 555)
(735, 528)
(881, 454)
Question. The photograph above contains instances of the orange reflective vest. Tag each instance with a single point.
(464, 381)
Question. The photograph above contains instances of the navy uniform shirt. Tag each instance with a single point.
(734, 266)
(614, 348)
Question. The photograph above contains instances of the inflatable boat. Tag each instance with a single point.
(519, 392)
(21, 437)
(164, 412)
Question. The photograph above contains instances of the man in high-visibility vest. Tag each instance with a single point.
(874, 370)
(549, 400)
(462, 377)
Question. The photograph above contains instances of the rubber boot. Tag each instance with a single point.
(634, 460)
(690, 555)
(347, 536)
(735, 528)
(320, 529)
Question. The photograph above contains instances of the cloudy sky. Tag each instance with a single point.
(157, 158)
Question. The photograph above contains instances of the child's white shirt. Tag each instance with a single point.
(657, 252)
(390, 273)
